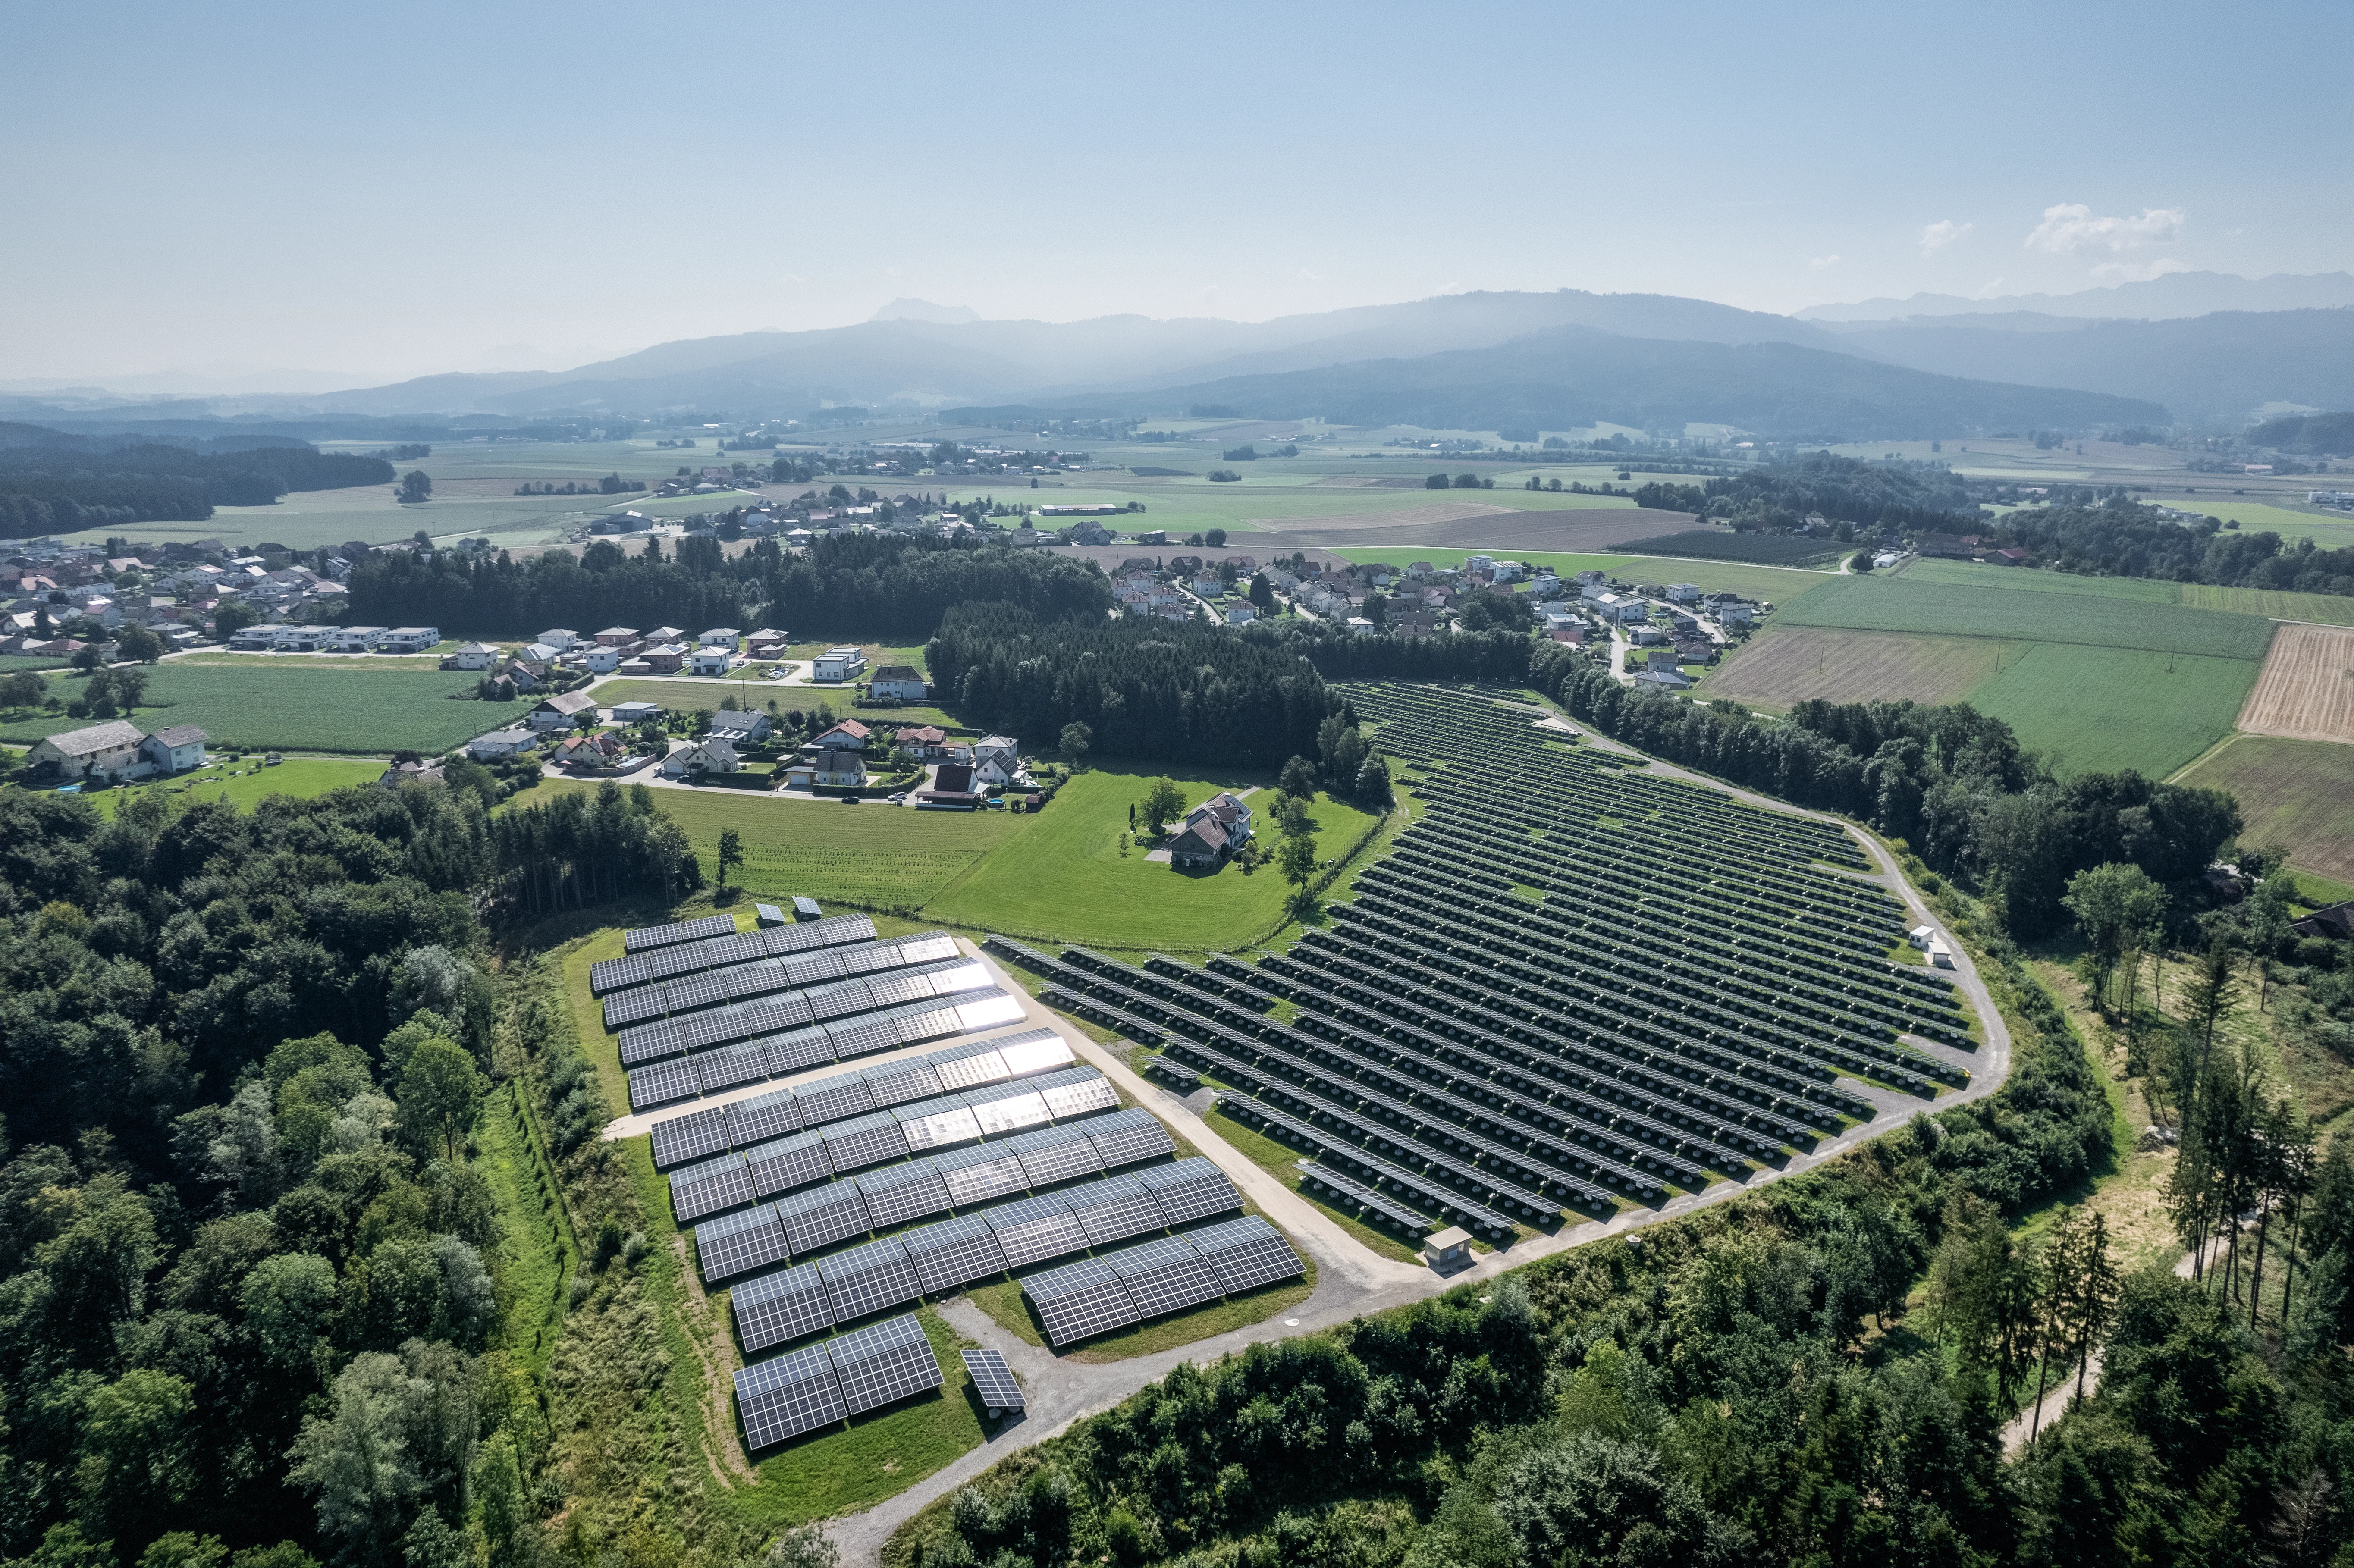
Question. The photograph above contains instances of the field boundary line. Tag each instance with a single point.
(2207, 755)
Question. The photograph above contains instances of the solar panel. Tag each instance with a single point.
(860, 1037)
(896, 1083)
(784, 1397)
(797, 1049)
(891, 990)
(865, 1140)
(834, 1099)
(691, 992)
(690, 1137)
(762, 1116)
(732, 1065)
(634, 1006)
(868, 957)
(883, 1363)
(869, 1280)
(954, 1253)
(960, 978)
(924, 948)
(733, 949)
(1033, 1051)
(1115, 1208)
(646, 938)
(1191, 1190)
(1165, 1276)
(769, 1014)
(1352, 1191)
(821, 1216)
(1080, 1300)
(1247, 1252)
(646, 1041)
(968, 1066)
(696, 1191)
(898, 1193)
(921, 1021)
(1125, 1137)
(1054, 1154)
(1076, 1092)
(806, 908)
(784, 1163)
(839, 1000)
(739, 1243)
(993, 1380)
(990, 1013)
(938, 1123)
(612, 974)
(661, 1083)
(976, 1175)
(1036, 1229)
(1005, 1108)
(812, 968)
(780, 1306)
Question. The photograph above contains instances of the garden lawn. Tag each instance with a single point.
(293, 708)
(244, 783)
(1066, 880)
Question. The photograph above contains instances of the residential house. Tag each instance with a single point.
(355, 639)
(1203, 842)
(639, 712)
(665, 634)
(597, 659)
(1666, 677)
(1209, 585)
(710, 660)
(502, 743)
(471, 656)
(826, 767)
(1358, 626)
(721, 637)
(561, 711)
(899, 683)
(661, 659)
(848, 736)
(1242, 613)
(839, 664)
(1570, 635)
(768, 645)
(927, 742)
(736, 726)
(602, 749)
(1619, 607)
(401, 773)
(951, 788)
(1586, 579)
(710, 755)
(174, 749)
(1230, 811)
(411, 639)
(1413, 623)
(261, 639)
(996, 760)
(616, 636)
(1735, 613)
(1683, 593)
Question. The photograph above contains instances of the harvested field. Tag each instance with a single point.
(2307, 689)
(1789, 665)
(2296, 793)
(1568, 529)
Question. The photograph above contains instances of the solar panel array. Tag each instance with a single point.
(713, 1020)
(648, 937)
(835, 1379)
(884, 1363)
(714, 941)
(1168, 1273)
(992, 1379)
(658, 1074)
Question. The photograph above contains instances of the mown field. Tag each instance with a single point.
(296, 708)
(244, 783)
(2296, 793)
(2101, 709)
(2098, 618)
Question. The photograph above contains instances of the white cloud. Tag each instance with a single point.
(1936, 236)
(2070, 226)
(1993, 287)
(1824, 263)
(2138, 272)
(1312, 277)
(790, 278)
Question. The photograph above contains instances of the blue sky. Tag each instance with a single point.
(387, 191)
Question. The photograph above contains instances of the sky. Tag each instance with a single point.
(381, 192)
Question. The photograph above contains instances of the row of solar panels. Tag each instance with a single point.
(723, 945)
(646, 938)
(741, 983)
(1096, 1294)
(814, 1218)
(838, 1147)
(939, 1259)
(886, 1083)
(835, 1380)
(791, 1009)
(796, 1050)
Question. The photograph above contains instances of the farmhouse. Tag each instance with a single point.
(900, 683)
(1203, 842)
(561, 711)
(174, 749)
(108, 750)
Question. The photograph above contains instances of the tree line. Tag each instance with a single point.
(2118, 538)
(57, 488)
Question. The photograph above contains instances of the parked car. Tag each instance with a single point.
(849, 799)
(899, 798)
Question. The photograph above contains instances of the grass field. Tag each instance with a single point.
(2331, 609)
(244, 783)
(2296, 793)
(1070, 882)
(297, 708)
(2090, 709)
(2097, 619)
(1787, 664)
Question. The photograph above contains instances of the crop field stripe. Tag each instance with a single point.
(1899, 604)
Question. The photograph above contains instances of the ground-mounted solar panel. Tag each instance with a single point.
(710, 1187)
(1054, 1154)
(787, 1395)
(1166, 1276)
(839, 1000)
(1006, 1108)
(664, 1083)
(898, 1193)
(777, 1309)
(738, 982)
(884, 1363)
(1247, 1252)
(954, 1253)
(739, 1243)
(892, 989)
(694, 1136)
(869, 1280)
(803, 970)
(740, 948)
(1080, 1300)
(1033, 1051)
(927, 947)
(1348, 1190)
(865, 1140)
(1035, 1229)
(968, 1066)
(1076, 1092)
(763, 1117)
(1191, 1190)
(942, 1123)
(837, 1098)
(897, 1083)
(782, 1164)
(650, 1042)
(979, 1174)
(688, 992)
(920, 1021)
(797, 1050)
(861, 1037)
(627, 1007)
(993, 1380)
(1114, 1209)
(986, 1011)
(772, 1014)
(1123, 1138)
(817, 1217)
(612, 974)
(732, 1066)
(647, 937)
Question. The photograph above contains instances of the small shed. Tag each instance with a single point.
(1448, 1250)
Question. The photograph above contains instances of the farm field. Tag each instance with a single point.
(244, 783)
(1788, 665)
(293, 708)
(2090, 709)
(1070, 881)
(1777, 585)
(2274, 604)
(2099, 619)
(2296, 793)
(2307, 689)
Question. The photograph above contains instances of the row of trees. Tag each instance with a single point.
(49, 487)
(2119, 538)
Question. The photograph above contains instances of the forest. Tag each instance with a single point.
(2119, 538)
(57, 486)
(1777, 498)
